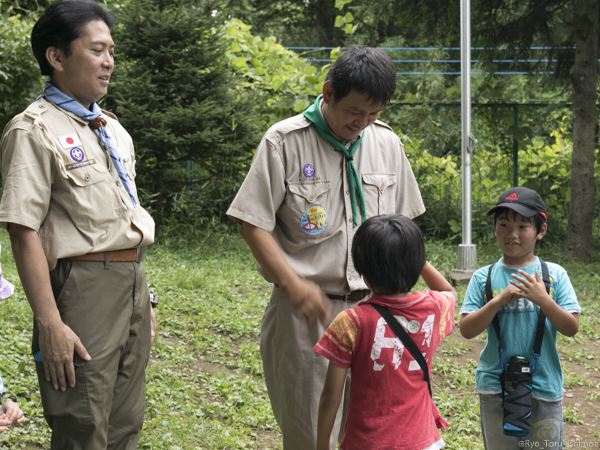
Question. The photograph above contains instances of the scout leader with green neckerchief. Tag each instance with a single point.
(315, 177)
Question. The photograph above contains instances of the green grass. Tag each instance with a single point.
(204, 383)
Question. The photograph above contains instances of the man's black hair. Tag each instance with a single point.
(536, 220)
(63, 22)
(389, 252)
(366, 70)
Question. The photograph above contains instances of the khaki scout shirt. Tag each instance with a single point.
(297, 189)
(59, 181)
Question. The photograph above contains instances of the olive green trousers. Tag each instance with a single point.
(107, 306)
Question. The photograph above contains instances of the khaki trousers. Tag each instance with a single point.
(294, 373)
(108, 307)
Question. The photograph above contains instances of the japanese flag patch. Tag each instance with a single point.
(69, 141)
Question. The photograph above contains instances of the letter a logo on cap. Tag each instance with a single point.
(512, 197)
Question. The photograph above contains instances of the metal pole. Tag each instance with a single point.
(515, 145)
(466, 251)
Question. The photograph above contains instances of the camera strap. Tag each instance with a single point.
(539, 332)
(407, 341)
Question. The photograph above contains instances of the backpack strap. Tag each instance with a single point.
(495, 321)
(539, 332)
(407, 341)
(490, 295)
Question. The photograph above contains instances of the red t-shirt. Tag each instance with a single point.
(390, 406)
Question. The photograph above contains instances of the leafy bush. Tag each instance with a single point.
(543, 167)
(276, 80)
(19, 73)
(174, 94)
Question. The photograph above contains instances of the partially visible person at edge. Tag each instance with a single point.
(519, 293)
(315, 177)
(70, 205)
(390, 406)
(10, 413)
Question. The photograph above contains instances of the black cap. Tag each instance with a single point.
(522, 200)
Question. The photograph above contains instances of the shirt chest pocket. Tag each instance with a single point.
(84, 167)
(379, 191)
(90, 190)
(308, 208)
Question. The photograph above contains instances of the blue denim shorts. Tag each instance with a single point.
(546, 425)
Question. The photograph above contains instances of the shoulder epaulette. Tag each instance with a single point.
(382, 124)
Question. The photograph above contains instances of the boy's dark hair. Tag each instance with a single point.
(366, 70)
(536, 220)
(62, 23)
(389, 252)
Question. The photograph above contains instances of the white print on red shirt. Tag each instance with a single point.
(381, 341)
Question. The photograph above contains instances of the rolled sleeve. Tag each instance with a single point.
(26, 179)
(565, 294)
(475, 295)
(338, 342)
(263, 189)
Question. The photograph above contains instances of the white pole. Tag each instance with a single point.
(466, 251)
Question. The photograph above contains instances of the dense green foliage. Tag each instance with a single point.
(193, 138)
(544, 167)
(205, 387)
(196, 87)
(276, 81)
(19, 73)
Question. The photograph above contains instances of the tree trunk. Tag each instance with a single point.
(585, 77)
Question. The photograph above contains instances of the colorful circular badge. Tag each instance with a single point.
(77, 154)
(313, 221)
(308, 170)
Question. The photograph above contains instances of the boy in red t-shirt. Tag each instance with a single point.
(390, 405)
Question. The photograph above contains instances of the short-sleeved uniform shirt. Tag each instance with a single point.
(518, 322)
(297, 189)
(390, 406)
(58, 180)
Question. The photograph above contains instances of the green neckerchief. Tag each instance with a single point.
(313, 114)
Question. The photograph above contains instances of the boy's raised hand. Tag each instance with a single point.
(509, 294)
(531, 287)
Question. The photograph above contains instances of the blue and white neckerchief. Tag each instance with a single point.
(94, 117)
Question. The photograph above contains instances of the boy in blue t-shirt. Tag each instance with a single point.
(520, 222)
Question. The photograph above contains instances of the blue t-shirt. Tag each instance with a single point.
(518, 321)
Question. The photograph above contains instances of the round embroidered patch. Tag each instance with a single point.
(77, 154)
(313, 221)
(413, 326)
(308, 170)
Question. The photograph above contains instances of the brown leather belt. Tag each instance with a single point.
(127, 255)
(351, 297)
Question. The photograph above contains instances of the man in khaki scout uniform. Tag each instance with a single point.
(314, 179)
(77, 231)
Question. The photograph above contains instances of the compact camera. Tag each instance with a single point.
(516, 396)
